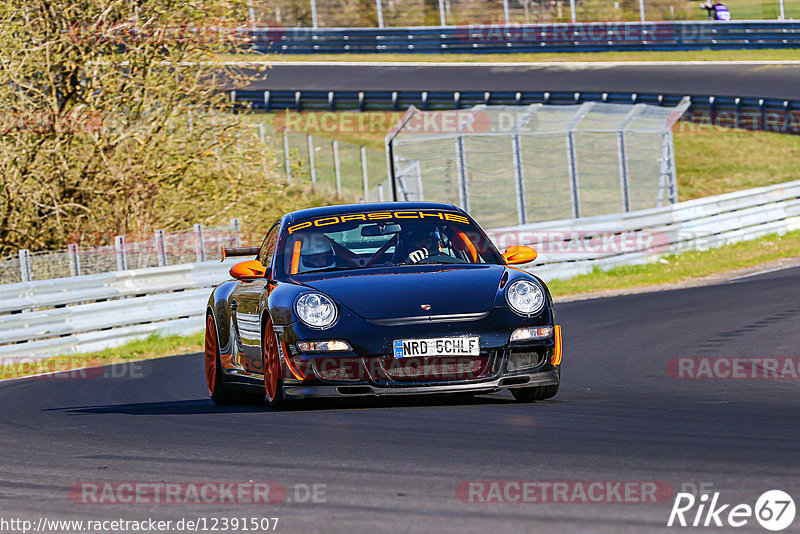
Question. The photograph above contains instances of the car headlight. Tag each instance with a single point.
(525, 297)
(316, 310)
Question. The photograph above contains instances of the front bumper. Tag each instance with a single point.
(542, 378)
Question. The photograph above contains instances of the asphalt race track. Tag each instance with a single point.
(394, 465)
(721, 79)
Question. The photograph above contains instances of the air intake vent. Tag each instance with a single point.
(527, 359)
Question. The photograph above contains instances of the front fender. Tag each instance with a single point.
(220, 305)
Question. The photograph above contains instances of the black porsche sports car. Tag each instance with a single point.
(380, 299)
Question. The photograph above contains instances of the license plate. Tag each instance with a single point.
(437, 346)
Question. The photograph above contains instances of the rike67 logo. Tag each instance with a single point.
(774, 510)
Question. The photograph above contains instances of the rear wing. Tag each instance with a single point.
(239, 251)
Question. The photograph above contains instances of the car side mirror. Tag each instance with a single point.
(516, 254)
(248, 270)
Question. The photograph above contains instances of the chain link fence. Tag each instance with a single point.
(163, 248)
(510, 165)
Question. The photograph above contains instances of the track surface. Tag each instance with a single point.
(744, 80)
(395, 465)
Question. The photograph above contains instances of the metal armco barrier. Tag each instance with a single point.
(757, 114)
(572, 247)
(93, 312)
(69, 315)
(553, 37)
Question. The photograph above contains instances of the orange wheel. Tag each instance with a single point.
(272, 365)
(216, 387)
(211, 355)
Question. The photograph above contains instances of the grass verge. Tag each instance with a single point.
(537, 57)
(677, 268)
(672, 269)
(154, 346)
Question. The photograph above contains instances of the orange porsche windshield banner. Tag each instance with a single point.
(330, 221)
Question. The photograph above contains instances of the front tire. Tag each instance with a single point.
(213, 364)
(273, 383)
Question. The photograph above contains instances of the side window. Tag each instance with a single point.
(267, 251)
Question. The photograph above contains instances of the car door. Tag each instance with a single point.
(245, 301)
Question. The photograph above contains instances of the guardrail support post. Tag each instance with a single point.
(311, 166)
(236, 228)
(119, 248)
(287, 157)
(199, 243)
(364, 173)
(267, 105)
(74, 260)
(516, 145)
(25, 265)
(161, 248)
(461, 169)
(336, 169)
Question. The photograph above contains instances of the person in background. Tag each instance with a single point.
(717, 10)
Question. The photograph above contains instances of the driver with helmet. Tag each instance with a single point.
(422, 243)
(316, 253)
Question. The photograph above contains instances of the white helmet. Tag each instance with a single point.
(316, 253)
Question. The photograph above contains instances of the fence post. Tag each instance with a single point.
(667, 177)
(519, 178)
(623, 171)
(380, 192)
(336, 169)
(287, 157)
(119, 248)
(199, 243)
(237, 229)
(314, 22)
(622, 154)
(782, 15)
(573, 174)
(572, 11)
(572, 158)
(262, 134)
(364, 173)
(74, 260)
(311, 166)
(461, 169)
(505, 14)
(161, 248)
(641, 10)
(442, 18)
(379, 9)
(25, 265)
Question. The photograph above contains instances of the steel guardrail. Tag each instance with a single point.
(545, 37)
(757, 114)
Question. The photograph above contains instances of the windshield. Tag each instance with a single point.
(383, 239)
